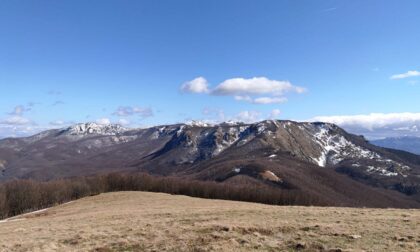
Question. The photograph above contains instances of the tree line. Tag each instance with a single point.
(21, 196)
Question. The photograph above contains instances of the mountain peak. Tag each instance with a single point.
(94, 128)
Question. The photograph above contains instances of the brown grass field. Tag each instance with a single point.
(142, 221)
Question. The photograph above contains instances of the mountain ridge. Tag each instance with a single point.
(278, 153)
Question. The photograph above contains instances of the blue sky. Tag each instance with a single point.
(135, 62)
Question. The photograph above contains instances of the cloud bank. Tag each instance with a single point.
(377, 125)
(16, 120)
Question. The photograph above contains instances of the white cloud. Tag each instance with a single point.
(249, 90)
(214, 115)
(405, 75)
(275, 113)
(18, 126)
(197, 85)
(376, 125)
(254, 86)
(248, 116)
(123, 122)
(260, 100)
(129, 111)
(19, 130)
(269, 100)
(56, 103)
(16, 120)
(373, 120)
(243, 98)
(103, 121)
(19, 110)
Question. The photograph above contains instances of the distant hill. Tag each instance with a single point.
(410, 144)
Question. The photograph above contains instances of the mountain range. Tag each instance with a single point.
(406, 143)
(320, 159)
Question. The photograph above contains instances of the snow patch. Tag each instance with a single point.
(199, 123)
(337, 148)
(82, 129)
(179, 132)
(381, 171)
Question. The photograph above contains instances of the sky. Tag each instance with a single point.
(143, 63)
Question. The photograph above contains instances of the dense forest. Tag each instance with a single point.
(20, 196)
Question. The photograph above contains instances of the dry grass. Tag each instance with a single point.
(140, 221)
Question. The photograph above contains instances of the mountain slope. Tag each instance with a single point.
(318, 158)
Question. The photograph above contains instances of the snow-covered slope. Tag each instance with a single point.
(335, 148)
(94, 128)
(322, 144)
